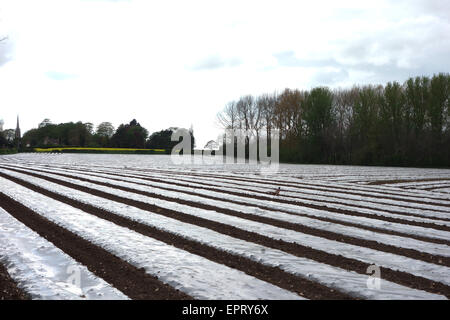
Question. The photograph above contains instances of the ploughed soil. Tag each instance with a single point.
(274, 275)
(304, 287)
(133, 282)
(8, 287)
(266, 207)
(310, 185)
(297, 201)
(380, 182)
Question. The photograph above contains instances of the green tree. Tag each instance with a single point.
(392, 116)
(319, 119)
(437, 112)
(163, 140)
(130, 135)
(439, 96)
(105, 129)
(10, 135)
(417, 100)
(103, 134)
(3, 141)
(364, 125)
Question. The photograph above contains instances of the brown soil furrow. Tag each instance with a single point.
(213, 187)
(271, 189)
(300, 203)
(296, 249)
(220, 209)
(299, 197)
(437, 188)
(276, 276)
(415, 254)
(382, 182)
(340, 190)
(296, 203)
(292, 226)
(283, 183)
(296, 185)
(8, 287)
(133, 282)
(90, 173)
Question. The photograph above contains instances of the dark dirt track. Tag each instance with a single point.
(339, 261)
(132, 281)
(9, 289)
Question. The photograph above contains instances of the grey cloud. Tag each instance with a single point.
(288, 59)
(5, 50)
(413, 47)
(323, 76)
(438, 8)
(216, 62)
(388, 71)
(425, 49)
(329, 78)
(340, 70)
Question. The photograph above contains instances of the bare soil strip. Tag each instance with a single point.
(296, 249)
(276, 276)
(385, 231)
(253, 217)
(213, 187)
(243, 187)
(442, 260)
(323, 207)
(8, 287)
(301, 196)
(382, 182)
(337, 188)
(296, 203)
(346, 191)
(287, 184)
(133, 282)
(437, 188)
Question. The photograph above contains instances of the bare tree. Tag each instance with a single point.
(228, 118)
(244, 110)
(267, 103)
(344, 100)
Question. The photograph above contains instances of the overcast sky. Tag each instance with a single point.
(177, 63)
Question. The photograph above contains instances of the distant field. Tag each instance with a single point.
(100, 150)
(83, 226)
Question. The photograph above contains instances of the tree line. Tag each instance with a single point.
(79, 134)
(397, 124)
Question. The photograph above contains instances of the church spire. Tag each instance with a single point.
(18, 135)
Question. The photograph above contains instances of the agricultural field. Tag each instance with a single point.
(84, 226)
